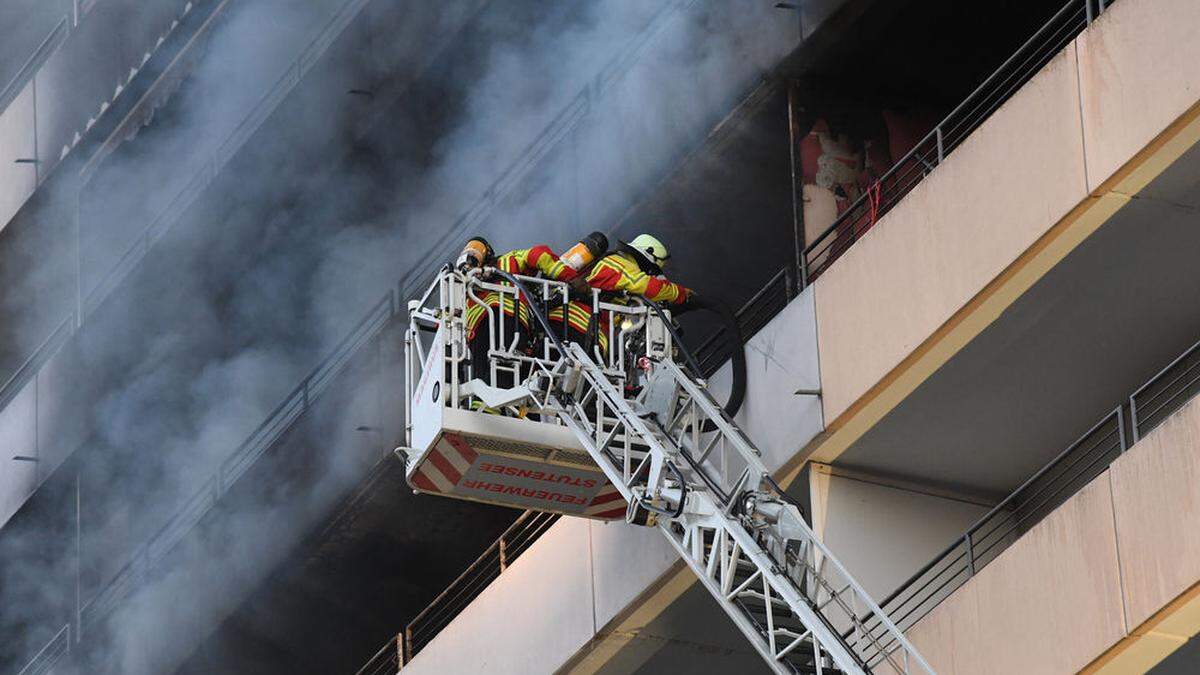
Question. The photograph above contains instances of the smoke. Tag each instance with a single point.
(625, 86)
(537, 121)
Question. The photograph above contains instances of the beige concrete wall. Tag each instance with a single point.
(1049, 604)
(884, 532)
(1111, 567)
(1156, 494)
(531, 623)
(625, 561)
(948, 638)
(993, 197)
(1055, 592)
(781, 359)
(17, 141)
(1138, 73)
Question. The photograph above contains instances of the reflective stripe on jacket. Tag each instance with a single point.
(619, 272)
(579, 316)
(526, 262)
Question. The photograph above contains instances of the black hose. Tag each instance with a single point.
(737, 389)
(737, 358)
(788, 498)
(690, 359)
(541, 317)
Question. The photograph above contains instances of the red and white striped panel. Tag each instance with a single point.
(445, 465)
(607, 504)
(451, 468)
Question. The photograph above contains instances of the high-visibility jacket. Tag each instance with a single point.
(619, 272)
(579, 316)
(526, 262)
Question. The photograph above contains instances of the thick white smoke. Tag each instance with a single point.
(248, 293)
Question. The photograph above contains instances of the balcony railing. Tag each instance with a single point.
(1085, 459)
(45, 661)
(517, 539)
(386, 661)
(891, 188)
(1165, 393)
(932, 150)
(752, 317)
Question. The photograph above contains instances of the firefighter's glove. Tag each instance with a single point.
(694, 301)
(579, 286)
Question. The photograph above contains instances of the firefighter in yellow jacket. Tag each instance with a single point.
(578, 310)
(636, 268)
(526, 262)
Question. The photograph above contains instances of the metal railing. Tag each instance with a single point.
(905, 174)
(1165, 393)
(387, 661)
(25, 373)
(48, 657)
(1047, 489)
(930, 151)
(752, 317)
(517, 539)
(419, 632)
(1085, 459)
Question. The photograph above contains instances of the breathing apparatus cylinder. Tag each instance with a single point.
(591, 247)
(474, 254)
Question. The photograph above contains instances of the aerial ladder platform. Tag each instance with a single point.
(622, 426)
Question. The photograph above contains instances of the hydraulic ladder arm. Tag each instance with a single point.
(661, 441)
(710, 495)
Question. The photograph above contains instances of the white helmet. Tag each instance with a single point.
(650, 248)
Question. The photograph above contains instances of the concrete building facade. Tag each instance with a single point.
(935, 378)
(1017, 294)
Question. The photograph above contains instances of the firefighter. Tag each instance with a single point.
(526, 262)
(636, 268)
(580, 326)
